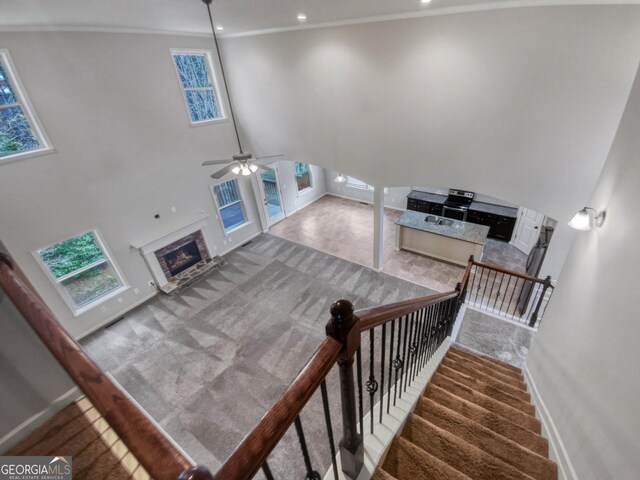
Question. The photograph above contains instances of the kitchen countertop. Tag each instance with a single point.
(496, 209)
(468, 232)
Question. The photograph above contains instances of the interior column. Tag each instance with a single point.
(378, 227)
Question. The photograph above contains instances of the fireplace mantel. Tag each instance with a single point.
(171, 234)
(148, 247)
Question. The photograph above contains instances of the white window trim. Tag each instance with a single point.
(310, 187)
(358, 186)
(213, 77)
(241, 201)
(25, 104)
(57, 282)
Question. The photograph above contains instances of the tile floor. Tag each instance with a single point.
(344, 228)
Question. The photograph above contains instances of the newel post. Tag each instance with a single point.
(344, 326)
(545, 286)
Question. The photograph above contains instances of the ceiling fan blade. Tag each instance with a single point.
(223, 171)
(270, 156)
(217, 162)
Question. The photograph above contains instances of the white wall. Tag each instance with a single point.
(291, 198)
(395, 197)
(521, 104)
(584, 359)
(125, 150)
(31, 377)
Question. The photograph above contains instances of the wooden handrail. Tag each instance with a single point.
(496, 268)
(149, 445)
(374, 316)
(248, 457)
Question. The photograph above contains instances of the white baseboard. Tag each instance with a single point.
(376, 445)
(558, 452)
(25, 428)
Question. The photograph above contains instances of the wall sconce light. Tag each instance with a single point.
(340, 179)
(582, 219)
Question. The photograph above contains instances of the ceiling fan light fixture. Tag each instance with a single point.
(340, 178)
(245, 171)
(253, 168)
(236, 169)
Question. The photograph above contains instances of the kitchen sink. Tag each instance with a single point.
(438, 221)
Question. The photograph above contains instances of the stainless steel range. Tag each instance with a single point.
(457, 204)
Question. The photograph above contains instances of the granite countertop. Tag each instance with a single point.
(468, 232)
(427, 197)
(495, 209)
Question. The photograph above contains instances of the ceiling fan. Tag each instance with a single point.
(240, 163)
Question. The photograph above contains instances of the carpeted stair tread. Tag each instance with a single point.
(405, 461)
(489, 390)
(491, 376)
(380, 474)
(506, 450)
(485, 401)
(488, 368)
(458, 453)
(488, 361)
(500, 425)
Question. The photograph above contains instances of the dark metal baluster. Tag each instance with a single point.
(434, 314)
(506, 291)
(327, 419)
(397, 363)
(359, 374)
(311, 473)
(407, 352)
(515, 287)
(425, 335)
(384, 339)
(475, 269)
(414, 347)
(393, 328)
(423, 314)
(372, 385)
(495, 277)
(267, 471)
(479, 286)
(498, 294)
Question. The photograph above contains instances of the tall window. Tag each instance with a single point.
(229, 203)
(303, 176)
(19, 132)
(198, 83)
(355, 183)
(81, 270)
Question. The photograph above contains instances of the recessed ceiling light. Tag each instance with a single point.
(425, 2)
(220, 28)
(302, 17)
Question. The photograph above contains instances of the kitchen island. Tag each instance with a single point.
(438, 237)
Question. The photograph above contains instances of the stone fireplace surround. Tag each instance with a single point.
(196, 237)
(173, 238)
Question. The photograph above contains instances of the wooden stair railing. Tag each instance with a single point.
(149, 445)
(514, 295)
(423, 324)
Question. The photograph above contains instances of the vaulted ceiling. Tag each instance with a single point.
(236, 16)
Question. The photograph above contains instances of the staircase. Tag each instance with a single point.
(474, 420)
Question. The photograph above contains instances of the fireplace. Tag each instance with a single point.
(180, 256)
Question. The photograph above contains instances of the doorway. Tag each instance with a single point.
(528, 230)
(269, 185)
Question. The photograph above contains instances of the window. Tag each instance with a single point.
(303, 176)
(355, 183)
(19, 131)
(195, 73)
(229, 203)
(82, 270)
